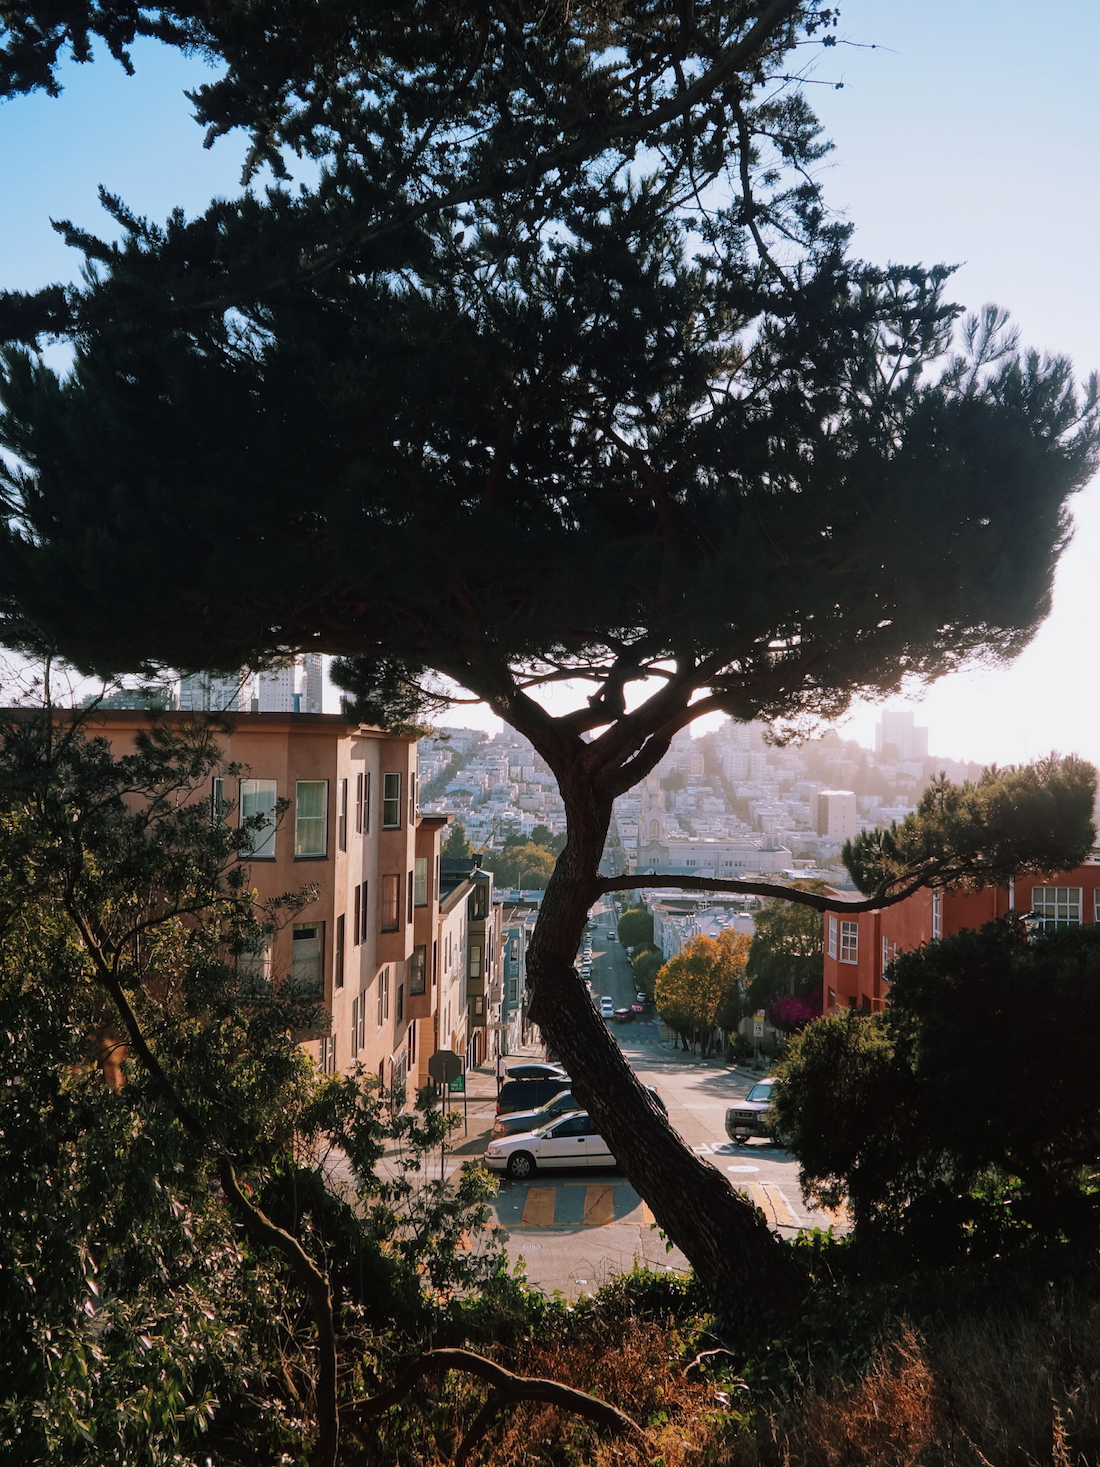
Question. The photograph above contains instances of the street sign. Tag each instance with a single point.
(458, 1085)
(444, 1066)
(758, 1028)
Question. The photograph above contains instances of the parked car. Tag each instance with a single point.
(536, 1070)
(562, 1104)
(527, 1094)
(607, 1006)
(753, 1116)
(571, 1141)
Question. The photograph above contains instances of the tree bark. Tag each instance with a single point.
(725, 1239)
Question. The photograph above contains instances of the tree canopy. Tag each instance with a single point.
(788, 944)
(695, 987)
(520, 864)
(456, 846)
(173, 1262)
(968, 1109)
(635, 927)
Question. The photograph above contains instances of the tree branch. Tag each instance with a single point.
(820, 903)
(510, 1388)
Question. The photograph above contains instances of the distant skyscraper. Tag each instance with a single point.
(295, 688)
(275, 691)
(217, 693)
(311, 683)
(898, 729)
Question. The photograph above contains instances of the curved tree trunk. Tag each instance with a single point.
(724, 1237)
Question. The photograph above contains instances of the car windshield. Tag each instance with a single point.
(761, 1092)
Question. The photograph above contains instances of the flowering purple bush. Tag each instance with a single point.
(792, 1013)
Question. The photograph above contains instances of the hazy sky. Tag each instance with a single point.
(965, 132)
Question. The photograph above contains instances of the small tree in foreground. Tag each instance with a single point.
(179, 1281)
(556, 370)
(968, 1113)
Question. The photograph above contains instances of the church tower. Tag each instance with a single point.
(652, 842)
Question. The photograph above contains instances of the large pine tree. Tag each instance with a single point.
(559, 372)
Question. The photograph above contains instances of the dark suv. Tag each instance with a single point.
(753, 1116)
(527, 1094)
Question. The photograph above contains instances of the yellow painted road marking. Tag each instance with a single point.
(599, 1205)
(538, 1210)
(774, 1205)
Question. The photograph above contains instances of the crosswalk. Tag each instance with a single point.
(569, 1205)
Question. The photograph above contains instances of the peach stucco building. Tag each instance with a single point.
(368, 941)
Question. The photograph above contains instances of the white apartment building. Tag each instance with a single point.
(833, 814)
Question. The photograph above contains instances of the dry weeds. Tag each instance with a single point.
(1008, 1389)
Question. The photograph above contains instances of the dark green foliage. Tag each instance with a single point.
(787, 948)
(967, 1114)
(521, 863)
(456, 847)
(542, 835)
(1034, 818)
(140, 1319)
(636, 927)
(645, 966)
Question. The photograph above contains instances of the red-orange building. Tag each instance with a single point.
(859, 947)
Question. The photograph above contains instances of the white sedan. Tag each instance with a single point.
(571, 1141)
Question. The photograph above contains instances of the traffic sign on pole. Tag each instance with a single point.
(444, 1066)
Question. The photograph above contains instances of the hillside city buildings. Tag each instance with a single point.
(410, 950)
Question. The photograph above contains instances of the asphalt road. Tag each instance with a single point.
(573, 1229)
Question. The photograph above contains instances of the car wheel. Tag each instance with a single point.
(521, 1166)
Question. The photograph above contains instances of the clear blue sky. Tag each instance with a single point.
(965, 132)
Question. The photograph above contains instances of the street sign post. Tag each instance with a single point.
(444, 1066)
(448, 1071)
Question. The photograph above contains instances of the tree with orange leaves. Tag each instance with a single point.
(702, 980)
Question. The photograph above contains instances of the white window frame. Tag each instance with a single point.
(391, 801)
(310, 831)
(1057, 906)
(831, 927)
(382, 1001)
(937, 915)
(420, 881)
(254, 801)
(849, 942)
